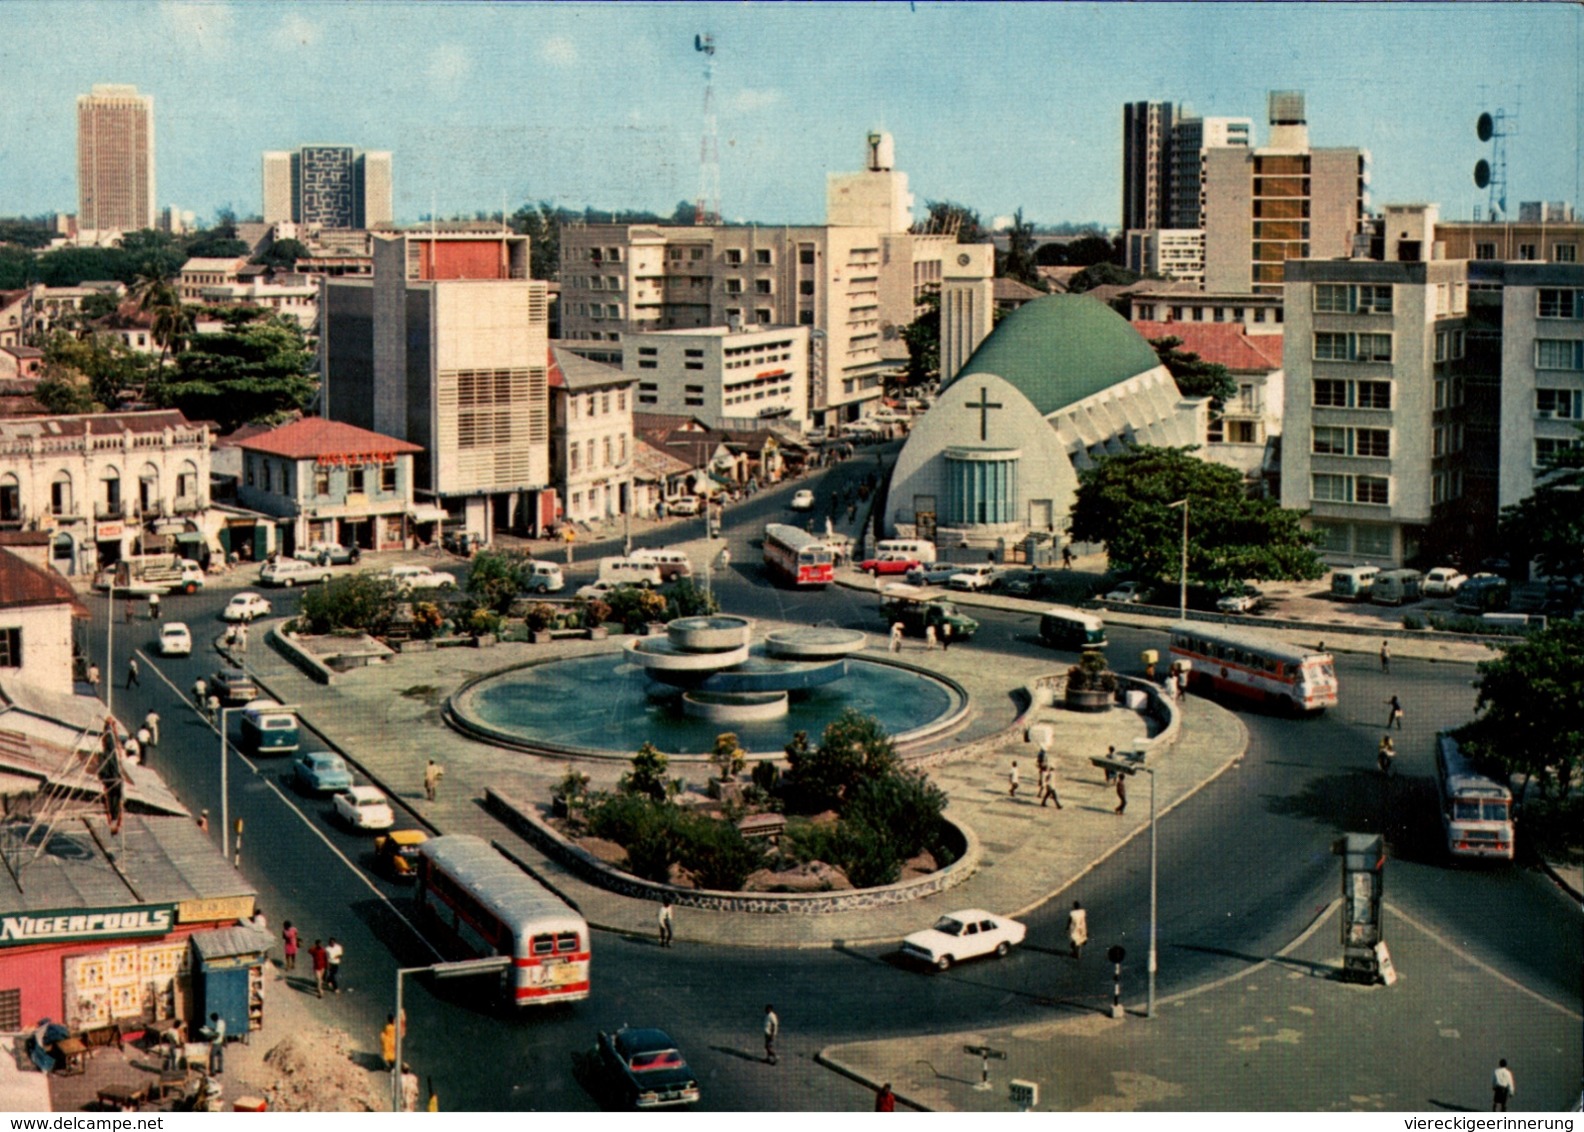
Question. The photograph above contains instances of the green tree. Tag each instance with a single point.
(496, 577)
(716, 852)
(1125, 502)
(283, 254)
(18, 267)
(648, 774)
(922, 337)
(1018, 263)
(1086, 251)
(258, 372)
(65, 394)
(157, 297)
(1195, 377)
(1529, 715)
(947, 216)
(905, 805)
(102, 360)
(686, 598)
(1547, 526)
(363, 602)
(853, 748)
(541, 223)
(1101, 275)
(26, 232)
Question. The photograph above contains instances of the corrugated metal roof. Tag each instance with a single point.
(223, 943)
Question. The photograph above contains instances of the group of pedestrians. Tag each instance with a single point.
(325, 960)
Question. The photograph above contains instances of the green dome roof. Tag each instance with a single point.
(1060, 349)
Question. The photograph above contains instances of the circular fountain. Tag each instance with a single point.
(705, 674)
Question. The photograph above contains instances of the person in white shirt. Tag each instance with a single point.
(1502, 1086)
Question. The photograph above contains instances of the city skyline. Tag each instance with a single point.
(489, 105)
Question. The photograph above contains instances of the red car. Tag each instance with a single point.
(888, 564)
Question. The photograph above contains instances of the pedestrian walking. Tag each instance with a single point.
(132, 673)
(1121, 789)
(1047, 787)
(1395, 715)
(93, 678)
(241, 637)
(200, 693)
(772, 1030)
(1502, 1086)
(388, 1042)
(151, 721)
(1067, 558)
(215, 1034)
(1385, 754)
(1077, 929)
(929, 637)
(333, 955)
(289, 936)
(145, 739)
(1012, 780)
(320, 959)
(945, 635)
(409, 1089)
(665, 918)
(214, 707)
(134, 751)
(896, 636)
(433, 773)
(1111, 775)
(885, 1099)
(126, 612)
(1385, 656)
(203, 821)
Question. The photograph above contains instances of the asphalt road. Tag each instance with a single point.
(1244, 865)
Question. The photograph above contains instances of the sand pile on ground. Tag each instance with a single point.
(317, 1071)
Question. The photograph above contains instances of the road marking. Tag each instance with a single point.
(231, 748)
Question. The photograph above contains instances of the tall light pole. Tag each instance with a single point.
(225, 792)
(109, 669)
(440, 971)
(1130, 768)
(1182, 576)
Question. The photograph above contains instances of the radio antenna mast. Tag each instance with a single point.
(707, 208)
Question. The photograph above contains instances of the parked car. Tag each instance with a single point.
(175, 639)
(233, 686)
(1245, 600)
(245, 606)
(802, 500)
(1128, 593)
(602, 589)
(545, 578)
(1035, 584)
(932, 574)
(1443, 581)
(419, 578)
(974, 578)
(683, 505)
(889, 564)
(963, 935)
(646, 1067)
(364, 807)
(320, 772)
(396, 853)
(334, 554)
(289, 572)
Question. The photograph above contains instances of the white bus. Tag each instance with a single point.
(1256, 667)
(481, 904)
(1476, 811)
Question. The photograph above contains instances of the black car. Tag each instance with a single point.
(647, 1067)
(233, 686)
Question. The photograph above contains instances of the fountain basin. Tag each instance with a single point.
(735, 707)
(716, 633)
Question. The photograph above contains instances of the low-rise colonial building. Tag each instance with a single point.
(591, 437)
(36, 610)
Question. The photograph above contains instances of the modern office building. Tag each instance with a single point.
(328, 186)
(1146, 163)
(726, 378)
(1191, 138)
(447, 346)
(1170, 253)
(115, 160)
(1284, 201)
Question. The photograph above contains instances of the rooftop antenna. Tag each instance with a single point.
(707, 209)
(1492, 174)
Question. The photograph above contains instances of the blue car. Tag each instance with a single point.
(320, 772)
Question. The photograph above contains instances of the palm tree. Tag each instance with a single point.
(172, 321)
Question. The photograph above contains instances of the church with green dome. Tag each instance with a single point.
(1060, 382)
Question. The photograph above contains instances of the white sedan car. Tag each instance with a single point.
(245, 607)
(802, 500)
(364, 807)
(175, 639)
(963, 935)
(1128, 593)
(1443, 581)
(972, 578)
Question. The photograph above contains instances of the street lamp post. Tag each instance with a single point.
(1182, 576)
(1127, 767)
(440, 971)
(225, 792)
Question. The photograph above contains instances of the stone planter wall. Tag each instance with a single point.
(522, 817)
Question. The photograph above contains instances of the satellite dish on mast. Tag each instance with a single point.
(1482, 173)
(1485, 127)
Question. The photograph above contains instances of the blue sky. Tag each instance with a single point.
(994, 105)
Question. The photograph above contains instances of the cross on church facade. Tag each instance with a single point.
(984, 405)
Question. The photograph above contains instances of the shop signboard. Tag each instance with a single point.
(61, 926)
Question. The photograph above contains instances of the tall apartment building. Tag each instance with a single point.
(115, 159)
(1284, 201)
(1146, 163)
(1191, 139)
(447, 346)
(726, 378)
(1554, 241)
(1425, 394)
(328, 186)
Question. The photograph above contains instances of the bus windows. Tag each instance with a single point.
(567, 941)
(543, 945)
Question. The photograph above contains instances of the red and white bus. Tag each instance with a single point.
(797, 556)
(1256, 667)
(1476, 810)
(482, 905)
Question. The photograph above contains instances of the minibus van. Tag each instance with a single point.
(1396, 587)
(920, 549)
(630, 572)
(1352, 583)
(673, 564)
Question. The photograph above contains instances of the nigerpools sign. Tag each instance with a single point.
(92, 923)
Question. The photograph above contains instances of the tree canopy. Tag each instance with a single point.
(1547, 526)
(1018, 262)
(283, 253)
(1529, 717)
(256, 372)
(922, 337)
(1195, 377)
(1101, 275)
(1086, 251)
(947, 216)
(101, 362)
(1125, 502)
